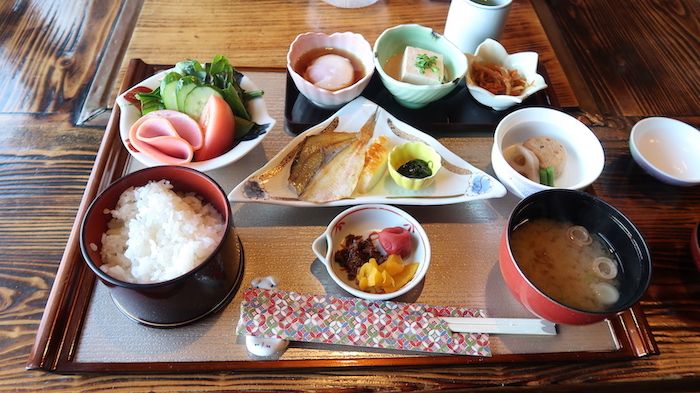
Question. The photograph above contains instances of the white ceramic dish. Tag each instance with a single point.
(585, 156)
(350, 3)
(491, 51)
(256, 108)
(363, 220)
(667, 149)
(457, 180)
(353, 43)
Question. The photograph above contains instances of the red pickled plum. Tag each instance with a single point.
(396, 240)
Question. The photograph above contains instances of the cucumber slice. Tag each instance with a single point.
(183, 91)
(169, 94)
(197, 98)
(168, 90)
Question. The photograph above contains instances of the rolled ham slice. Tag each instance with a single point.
(168, 136)
(157, 138)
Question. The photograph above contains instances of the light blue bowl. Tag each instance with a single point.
(394, 40)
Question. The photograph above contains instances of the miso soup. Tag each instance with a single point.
(567, 263)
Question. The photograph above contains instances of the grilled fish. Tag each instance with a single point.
(338, 178)
(317, 150)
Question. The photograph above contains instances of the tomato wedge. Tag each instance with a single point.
(219, 126)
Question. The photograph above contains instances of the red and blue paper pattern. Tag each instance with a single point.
(351, 321)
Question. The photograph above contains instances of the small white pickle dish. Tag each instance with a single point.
(363, 220)
(492, 52)
(667, 149)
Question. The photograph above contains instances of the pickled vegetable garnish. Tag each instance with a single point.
(387, 277)
(416, 169)
(498, 79)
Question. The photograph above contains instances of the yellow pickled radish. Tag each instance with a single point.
(373, 278)
(363, 283)
(403, 277)
(393, 265)
(390, 276)
(379, 279)
(364, 270)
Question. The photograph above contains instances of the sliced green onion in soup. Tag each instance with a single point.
(579, 235)
(605, 268)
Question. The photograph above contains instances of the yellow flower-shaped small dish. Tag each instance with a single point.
(409, 151)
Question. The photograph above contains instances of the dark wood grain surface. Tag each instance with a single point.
(636, 58)
(50, 51)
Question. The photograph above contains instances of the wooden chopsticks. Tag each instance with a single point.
(501, 325)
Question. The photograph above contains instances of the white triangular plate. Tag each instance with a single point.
(457, 180)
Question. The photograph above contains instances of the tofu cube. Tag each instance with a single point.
(421, 76)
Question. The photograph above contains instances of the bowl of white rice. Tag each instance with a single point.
(161, 240)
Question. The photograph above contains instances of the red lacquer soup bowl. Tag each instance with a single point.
(604, 223)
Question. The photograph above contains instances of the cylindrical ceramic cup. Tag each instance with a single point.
(470, 22)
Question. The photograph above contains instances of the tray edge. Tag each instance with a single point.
(59, 329)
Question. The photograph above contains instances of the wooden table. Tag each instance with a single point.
(664, 214)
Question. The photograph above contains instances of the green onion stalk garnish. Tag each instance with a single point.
(547, 176)
(424, 61)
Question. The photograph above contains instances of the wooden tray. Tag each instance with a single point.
(68, 321)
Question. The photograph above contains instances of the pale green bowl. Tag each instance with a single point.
(402, 154)
(394, 40)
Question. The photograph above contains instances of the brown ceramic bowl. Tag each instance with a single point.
(186, 298)
(600, 218)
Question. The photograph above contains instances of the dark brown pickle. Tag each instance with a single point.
(356, 252)
(415, 169)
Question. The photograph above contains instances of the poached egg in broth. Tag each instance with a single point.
(329, 68)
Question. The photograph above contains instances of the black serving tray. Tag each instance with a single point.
(454, 115)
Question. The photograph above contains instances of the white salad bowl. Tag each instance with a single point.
(491, 51)
(352, 43)
(585, 156)
(256, 107)
(362, 220)
(667, 149)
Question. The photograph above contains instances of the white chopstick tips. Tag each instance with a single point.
(501, 325)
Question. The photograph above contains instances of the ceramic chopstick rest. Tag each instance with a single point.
(264, 346)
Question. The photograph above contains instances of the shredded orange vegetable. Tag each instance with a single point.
(498, 79)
